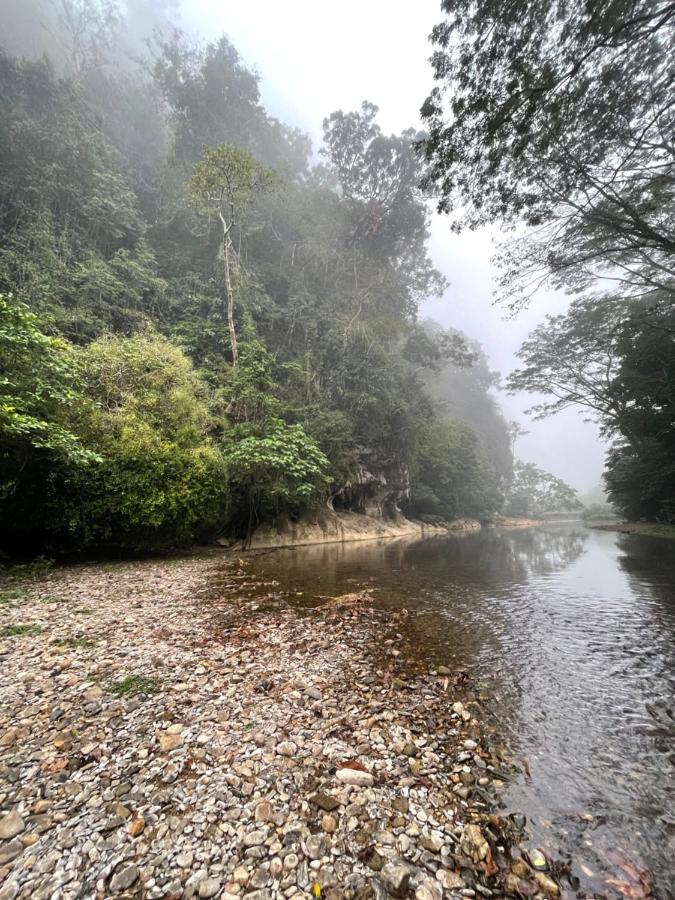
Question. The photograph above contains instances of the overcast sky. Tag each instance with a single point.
(315, 56)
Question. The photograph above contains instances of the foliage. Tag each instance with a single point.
(237, 351)
(280, 470)
(450, 479)
(560, 115)
(39, 391)
(534, 492)
(615, 360)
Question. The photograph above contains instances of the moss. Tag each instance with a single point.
(18, 630)
(134, 684)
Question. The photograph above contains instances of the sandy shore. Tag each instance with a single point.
(164, 734)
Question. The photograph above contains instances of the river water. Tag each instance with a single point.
(571, 634)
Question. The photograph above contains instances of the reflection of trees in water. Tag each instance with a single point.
(499, 555)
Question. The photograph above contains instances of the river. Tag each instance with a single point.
(571, 633)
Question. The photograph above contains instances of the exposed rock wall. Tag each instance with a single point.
(329, 526)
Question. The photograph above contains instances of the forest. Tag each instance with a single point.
(205, 323)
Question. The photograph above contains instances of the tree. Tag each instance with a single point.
(40, 389)
(278, 470)
(449, 478)
(226, 183)
(534, 492)
(560, 115)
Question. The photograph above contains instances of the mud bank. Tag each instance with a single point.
(330, 527)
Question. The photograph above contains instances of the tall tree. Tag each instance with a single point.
(560, 115)
(226, 183)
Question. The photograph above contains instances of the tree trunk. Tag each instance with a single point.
(230, 301)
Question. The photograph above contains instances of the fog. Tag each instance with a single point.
(316, 57)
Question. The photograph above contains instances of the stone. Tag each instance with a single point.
(536, 858)
(10, 851)
(451, 881)
(264, 811)
(208, 887)
(355, 777)
(429, 889)
(254, 838)
(136, 826)
(316, 846)
(11, 825)
(395, 878)
(473, 844)
(124, 878)
(546, 884)
(286, 748)
(325, 801)
(431, 842)
(168, 742)
(329, 823)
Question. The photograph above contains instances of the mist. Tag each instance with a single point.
(313, 60)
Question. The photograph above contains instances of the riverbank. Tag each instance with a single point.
(167, 730)
(654, 529)
(326, 526)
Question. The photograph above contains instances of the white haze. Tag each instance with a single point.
(314, 57)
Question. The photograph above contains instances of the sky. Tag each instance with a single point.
(314, 57)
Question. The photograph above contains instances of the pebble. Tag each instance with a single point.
(11, 825)
(355, 777)
(209, 887)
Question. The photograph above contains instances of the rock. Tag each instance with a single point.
(286, 748)
(329, 823)
(241, 875)
(208, 887)
(10, 851)
(401, 804)
(11, 825)
(324, 801)
(9, 738)
(254, 838)
(168, 742)
(123, 879)
(355, 777)
(431, 842)
(395, 878)
(450, 880)
(136, 826)
(264, 811)
(546, 884)
(316, 846)
(536, 858)
(429, 889)
(473, 844)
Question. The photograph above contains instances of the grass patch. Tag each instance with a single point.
(10, 596)
(80, 642)
(18, 630)
(37, 568)
(134, 684)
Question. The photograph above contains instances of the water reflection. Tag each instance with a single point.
(573, 629)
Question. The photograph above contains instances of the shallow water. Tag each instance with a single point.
(573, 630)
